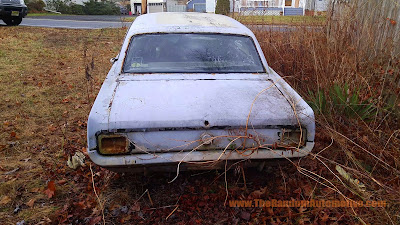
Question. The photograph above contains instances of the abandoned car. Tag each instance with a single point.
(191, 90)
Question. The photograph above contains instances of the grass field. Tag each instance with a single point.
(129, 19)
(45, 103)
(47, 94)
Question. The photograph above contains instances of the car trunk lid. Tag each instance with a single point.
(198, 103)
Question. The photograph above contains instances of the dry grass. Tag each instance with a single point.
(44, 108)
(47, 97)
(314, 61)
(281, 20)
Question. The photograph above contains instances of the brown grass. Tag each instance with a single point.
(314, 59)
(44, 109)
(47, 97)
(281, 20)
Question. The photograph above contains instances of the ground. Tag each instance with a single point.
(49, 79)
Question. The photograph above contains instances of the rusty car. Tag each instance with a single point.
(191, 91)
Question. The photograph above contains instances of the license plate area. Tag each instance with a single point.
(14, 13)
(187, 140)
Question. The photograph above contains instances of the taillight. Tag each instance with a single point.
(113, 144)
(293, 138)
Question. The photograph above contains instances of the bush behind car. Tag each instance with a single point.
(35, 6)
(88, 8)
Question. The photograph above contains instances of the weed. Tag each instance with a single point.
(350, 104)
(342, 101)
(318, 101)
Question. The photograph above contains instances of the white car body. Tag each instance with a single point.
(184, 118)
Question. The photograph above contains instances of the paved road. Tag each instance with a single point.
(98, 22)
(110, 18)
(75, 22)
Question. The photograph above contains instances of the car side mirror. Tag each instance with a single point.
(113, 60)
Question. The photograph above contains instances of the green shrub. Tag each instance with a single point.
(343, 101)
(317, 101)
(76, 9)
(223, 7)
(350, 103)
(100, 8)
(89, 8)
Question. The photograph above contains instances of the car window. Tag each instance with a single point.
(192, 53)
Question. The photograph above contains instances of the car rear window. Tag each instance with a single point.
(192, 53)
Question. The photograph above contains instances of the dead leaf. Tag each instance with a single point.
(45, 220)
(325, 217)
(31, 202)
(51, 189)
(270, 211)
(5, 200)
(95, 220)
(302, 209)
(245, 215)
(308, 190)
(13, 134)
(52, 128)
(35, 190)
(61, 182)
(135, 207)
(84, 151)
(80, 204)
(258, 193)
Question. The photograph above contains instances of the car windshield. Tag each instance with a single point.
(192, 53)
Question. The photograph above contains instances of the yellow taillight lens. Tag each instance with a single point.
(113, 144)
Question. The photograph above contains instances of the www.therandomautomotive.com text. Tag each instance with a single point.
(305, 203)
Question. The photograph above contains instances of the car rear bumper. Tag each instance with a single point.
(6, 10)
(222, 165)
(194, 158)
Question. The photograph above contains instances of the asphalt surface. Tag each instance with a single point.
(106, 18)
(74, 22)
(105, 21)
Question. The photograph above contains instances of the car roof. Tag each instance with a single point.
(187, 22)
